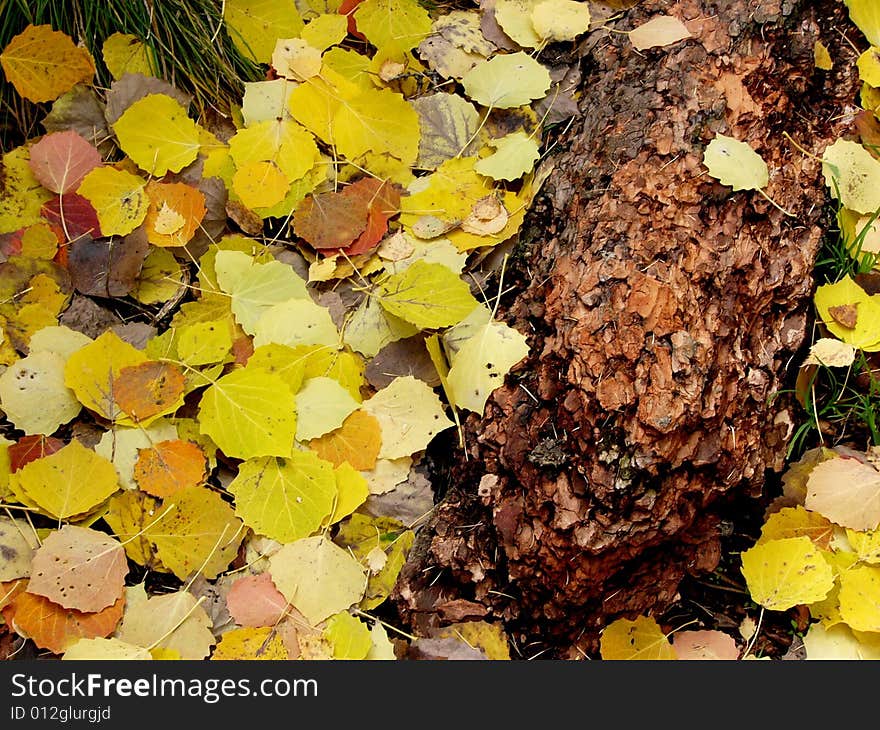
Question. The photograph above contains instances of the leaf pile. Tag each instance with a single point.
(307, 314)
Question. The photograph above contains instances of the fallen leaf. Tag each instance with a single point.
(61, 160)
(786, 572)
(640, 639)
(846, 491)
(704, 644)
(661, 30)
(170, 466)
(253, 600)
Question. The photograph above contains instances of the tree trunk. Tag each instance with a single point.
(665, 314)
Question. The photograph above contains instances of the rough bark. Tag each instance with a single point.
(664, 313)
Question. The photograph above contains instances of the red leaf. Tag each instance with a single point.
(31, 448)
(347, 8)
(384, 205)
(62, 159)
(74, 214)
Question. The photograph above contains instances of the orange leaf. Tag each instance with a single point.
(357, 441)
(148, 390)
(175, 212)
(55, 628)
(335, 219)
(42, 64)
(253, 600)
(384, 204)
(169, 467)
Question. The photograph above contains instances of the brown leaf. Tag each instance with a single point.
(149, 389)
(107, 267)
(846, 315)
(170, 466)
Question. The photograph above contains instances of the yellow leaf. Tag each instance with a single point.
(349, 637)
(866, 544)
(370, 328)
(325, 30)
(317, 577)
(119, 198)
(866, 15)
(846, 491)
(514, 156)
(250, 644)
(131, 515)
(490, 637)
(352, 492)
(399, 25)
(204, 343)
(124, 53)
(821, 57)
(515, 19)
(296, 59)
(322, 405)
(171, 622)
(282, 141)
(797, 521)
(834, 303)
(852, 175)
(377, 120)
(410, 414)
(249, 413)
(255, 25)
(429, 296)
(735, 163)
(296, 322)
(200, 534)
(260, 184)
(21, 195)
(560, 20)
(91, 371)
(42, 64)
(840, 642)
(69, 482)
(160, 279)
(111, 649)
(157, 134)
(488, 83)
(284, 499)
(786, 572)
(860, 598)
(641, 639)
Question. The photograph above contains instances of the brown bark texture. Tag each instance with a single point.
(664, 312)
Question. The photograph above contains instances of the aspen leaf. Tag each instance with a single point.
(448, 124)
(331, 219)
(488, 83)
(148, 390)
(393, 25)
(22, 195)
(17, 544)
(55, 628)
(158, 135)
(357, 441)
(296, 59)
(169, 467)
(201, 534)
(322, 405)
(846, 491)
(410, 414)
(121, 445)
(846, 294)
(866, 16)
(124, 53)
(515, 18)
(30, 448)
(255, 25)
(69, 482)
(839, 642)
(482, 362)
(284, 499)
(795, 522)
(253, 600)
(178, 202)
(287, 362)
(296, 322)
(427, 296)
(249, 413)
(860, 598)
(265, 100)
(79, 568)
(249, 644)
(377, 120)
(99, 649)
(831, 353)
(514, 156)
(203, 343)
(325, 30)
(869, 66)
(488, 637)
(283, 142)
(317, 577)
(640, 639)
(822, 57)
(735, 163)
(132, 514)
(33, 394)
(382, 649)
(352, 491)
(118, 197)
(42, 64)
(255, 287)
(661, 30)
(349, 637)
(786, 572)
(701, 645)
(61, 160)
(852, 175)
(560, 20)
(160, 278)
(370, 328)
(866, 544)
(260, 184)
(172, 621)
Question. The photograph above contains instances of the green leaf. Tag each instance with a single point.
(506, 81)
